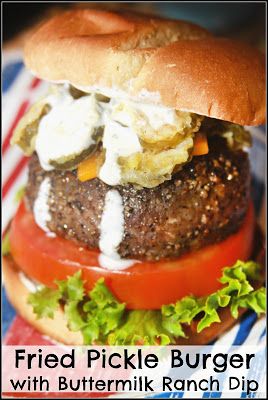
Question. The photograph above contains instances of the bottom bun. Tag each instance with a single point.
(57, 329)
(17, 294)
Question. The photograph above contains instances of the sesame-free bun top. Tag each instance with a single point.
(151, 59)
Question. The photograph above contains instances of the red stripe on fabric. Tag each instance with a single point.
(35, 82)
(13, 176)
(30, 336)
(19, 115)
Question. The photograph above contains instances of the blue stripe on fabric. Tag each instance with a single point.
(245, 327)
(8, 313)
(257, 372)
(263, 334)
(170, 395)
(262, 128)
(9, 74)
(244, 395)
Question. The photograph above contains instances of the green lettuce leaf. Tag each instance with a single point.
(72, 289)
(141, 327)
(19, 194)
(236, 292)
(103, 313)
(102, 319)
(6, 245)
(44, 302)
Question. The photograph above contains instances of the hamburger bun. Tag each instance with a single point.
(17, 294)
(150, 59)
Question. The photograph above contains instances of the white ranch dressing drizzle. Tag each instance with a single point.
(111, 92)
(114, 92)
(112, 233)
(28, 283)
(41, 208)
(118, 141)
(67, 128)
(156, 115)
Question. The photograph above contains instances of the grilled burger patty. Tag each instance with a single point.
(204, 203)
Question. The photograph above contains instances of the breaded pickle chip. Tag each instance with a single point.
(25, 133)
(71, 161)
(149, 169)
(77, 93)
(165, 145)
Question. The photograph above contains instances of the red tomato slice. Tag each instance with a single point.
(146, 285)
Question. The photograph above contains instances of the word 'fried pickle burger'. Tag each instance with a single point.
(136, 226)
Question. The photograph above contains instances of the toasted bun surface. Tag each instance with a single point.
(155, 60)
(57, 329)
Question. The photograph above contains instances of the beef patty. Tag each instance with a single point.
(203, 203)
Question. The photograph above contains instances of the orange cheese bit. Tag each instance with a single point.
(88, 169)
(200, 144)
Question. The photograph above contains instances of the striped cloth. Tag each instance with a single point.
(20, 90)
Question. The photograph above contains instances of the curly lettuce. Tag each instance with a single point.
(102, 319)
(6, 245)
(236, 293)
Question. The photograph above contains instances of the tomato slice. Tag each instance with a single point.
(146, 285)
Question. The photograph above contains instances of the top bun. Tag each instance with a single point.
(162, 61)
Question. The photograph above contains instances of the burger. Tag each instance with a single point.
(136, 225)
